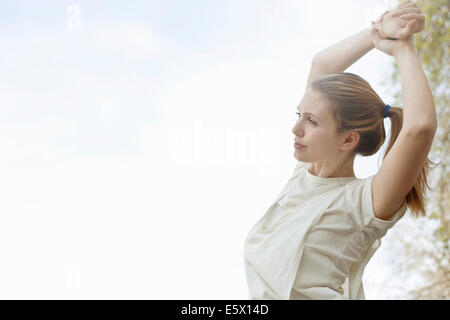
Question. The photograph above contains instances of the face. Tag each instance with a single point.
(315, 129)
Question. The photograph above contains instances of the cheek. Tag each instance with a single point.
(320, 136)
(323, 140)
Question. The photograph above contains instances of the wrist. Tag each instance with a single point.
(402, 49)
(368, 35)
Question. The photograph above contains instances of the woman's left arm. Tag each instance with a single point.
(405, 161)
(418, 104)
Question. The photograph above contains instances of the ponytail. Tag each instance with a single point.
(357, 107)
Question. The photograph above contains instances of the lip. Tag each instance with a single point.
(299, 146)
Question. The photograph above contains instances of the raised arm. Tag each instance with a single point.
(341, 55)
(405, 161)
(418, 104)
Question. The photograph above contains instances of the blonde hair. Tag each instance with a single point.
(355, 106)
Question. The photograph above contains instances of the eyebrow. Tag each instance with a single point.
(309, 113)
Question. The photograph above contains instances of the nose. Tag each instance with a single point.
(298, 130)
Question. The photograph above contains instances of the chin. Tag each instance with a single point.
(298, 156)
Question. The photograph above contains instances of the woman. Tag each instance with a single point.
(317, 237)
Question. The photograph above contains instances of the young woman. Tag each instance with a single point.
(317, 237)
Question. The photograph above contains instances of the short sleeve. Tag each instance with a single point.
(359, 194)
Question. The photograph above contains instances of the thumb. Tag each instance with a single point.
(407, 30)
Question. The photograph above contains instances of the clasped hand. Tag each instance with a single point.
(395, 28)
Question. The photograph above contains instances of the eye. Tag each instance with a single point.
(299, 114)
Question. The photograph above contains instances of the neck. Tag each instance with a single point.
(332, 169)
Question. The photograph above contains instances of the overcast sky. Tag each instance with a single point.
(141, 140)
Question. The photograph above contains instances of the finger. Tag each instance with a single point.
(374, 32)
(381, 17)
(396, 13)
(407, 7)
(416, 16)
(405, 4)
(406, 31)
(399, 12)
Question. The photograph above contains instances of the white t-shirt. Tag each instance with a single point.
(315, 239)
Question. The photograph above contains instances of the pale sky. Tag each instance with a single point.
(141, 140)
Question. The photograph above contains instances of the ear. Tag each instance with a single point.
(349, 140)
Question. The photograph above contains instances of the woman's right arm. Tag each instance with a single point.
(341, 55)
